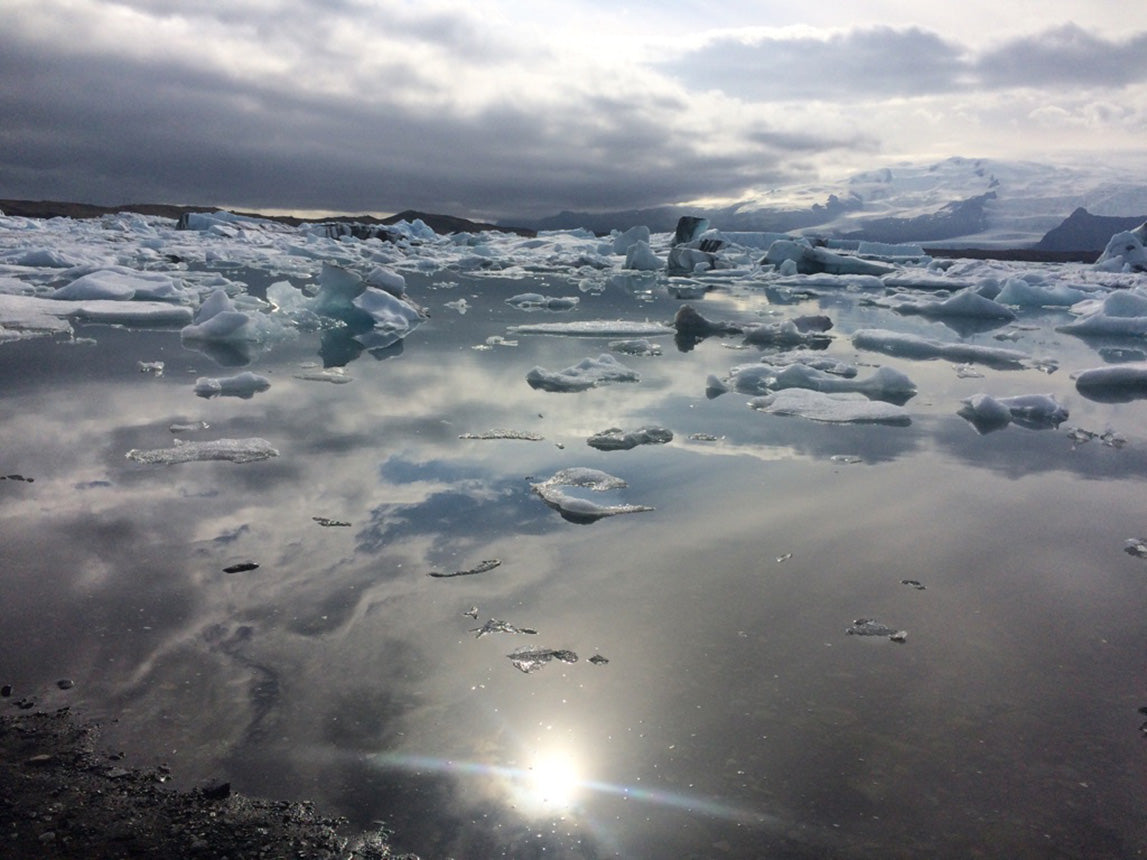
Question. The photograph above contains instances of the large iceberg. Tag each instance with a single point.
(841, 408)
(1125, 252)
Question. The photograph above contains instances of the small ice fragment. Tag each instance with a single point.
(531, 659)
(702, 437)
(915, 583)
(846, 459)
(536, 301)
(967, 371)
(241, 567)
(153, 367)
(188, 427)
(598, 660)
(472, 612)
(244, 385)
(328, 523)
(234, 450)
(496, 626)
(1112, 439)
(336, 375)
(16, 478)
(781, 559)
(460, 305)
(1136, 547)
(480, 567)
(501, 433)
(635, 346)
(872, 627)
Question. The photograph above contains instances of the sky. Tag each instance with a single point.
(527, 108)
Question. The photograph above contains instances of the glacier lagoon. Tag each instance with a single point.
(718, 705)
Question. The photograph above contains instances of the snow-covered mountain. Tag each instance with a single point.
(958, 201)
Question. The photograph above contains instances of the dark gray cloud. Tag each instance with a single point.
(114, 129)
(881, 62)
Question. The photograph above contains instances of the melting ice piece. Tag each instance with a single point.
(914, 346)
(235, 450)
(587, 373)
(1117, 383)
(843, 408)
(635, 346)
(245, 385)
(500, 433)
(536, 301)
(968, 303)
(480, 567)
(153, 367)
(885, 383)
(118, 283)
(872, 627)
(594, 328)
(807, 260)
(496, 626)
(1017, 291)
(188, 427)
(334, 375)
(532, 659)
(616, 439)
(1033, 411)
(1136, 547)
(579, 510)
(328, 523)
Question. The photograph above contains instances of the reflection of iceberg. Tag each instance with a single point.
(554, 493)
(914, 346)
(1033, 411)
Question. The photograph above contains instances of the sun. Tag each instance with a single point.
(550, 785)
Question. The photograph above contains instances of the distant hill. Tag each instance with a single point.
(1082, 231)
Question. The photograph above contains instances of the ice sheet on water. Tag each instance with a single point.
(1033, 411)
(538, 302)
(1122, 312)
(553, 491)
(134, 314)
(594, 328)
(842, 408)
(244, 385)
(119, 283)
(502, 433)
(235, 450)
(967, 304)
(587, 373)
(616, 439)
(26, 316)
(914, 346)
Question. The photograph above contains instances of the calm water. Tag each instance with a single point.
(735, 718)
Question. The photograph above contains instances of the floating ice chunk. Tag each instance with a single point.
(26, 316)
(1034, 411)
(885, 383)
(788, 333)
(622, 242)
(121, 284)
(218, 319)
(554, 493)
(967, 304)
(594, 328)
(536, 301)
(587, 373)
(914, 346)
(334, 375)
(188, 427)
(1123, 312)
(842, 408)
(807, 260)
(133, 314)
(688, 321)
(1017, 291)
(1117, 383)
(531, 659)
(45, 258)
(153, 367)
(387, 280)
(245, 385)
(639, 256)
(234, 450)
(872, 627)
(496, 626)
(616, 439)
(481, 567)
(500, 433)
(684, 260)
(635, 346)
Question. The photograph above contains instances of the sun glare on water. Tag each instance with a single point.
(551, 784)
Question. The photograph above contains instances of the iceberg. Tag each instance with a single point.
(1125, 252)
(1017, 291)
(967, 304)
(233, 450)
(587, 373)
(640, 257)
(804, 259)
(1123, 312)
(594, 328)
(885, 383)
(622, 242)
(245, 385)
(837, 408)
(121, 284)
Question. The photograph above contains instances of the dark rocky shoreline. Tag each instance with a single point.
(62, 798)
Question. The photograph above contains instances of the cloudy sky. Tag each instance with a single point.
(507, 107)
